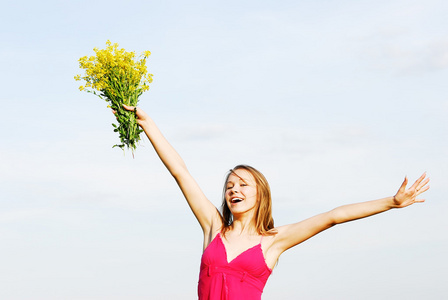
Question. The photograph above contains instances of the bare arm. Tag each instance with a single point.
(205, 212)
(291, 235)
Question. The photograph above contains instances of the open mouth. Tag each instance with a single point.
(236, 200)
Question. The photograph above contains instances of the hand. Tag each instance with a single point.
(141, 115)
(406, 197)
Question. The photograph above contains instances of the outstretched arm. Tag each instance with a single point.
(205, 212)
(291, 235)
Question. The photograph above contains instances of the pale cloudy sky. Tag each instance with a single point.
(334, 101)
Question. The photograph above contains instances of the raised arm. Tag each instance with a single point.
(291, 235)
(205, 212)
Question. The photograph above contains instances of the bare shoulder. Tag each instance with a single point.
(271, 249)
(293, 234)
(213, 230)
(273, 243)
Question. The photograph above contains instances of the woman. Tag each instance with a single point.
(242, 246)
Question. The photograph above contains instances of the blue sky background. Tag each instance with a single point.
(334, 101)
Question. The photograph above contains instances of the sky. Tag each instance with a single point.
(334, 101)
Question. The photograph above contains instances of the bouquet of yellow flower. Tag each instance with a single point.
(119, 77)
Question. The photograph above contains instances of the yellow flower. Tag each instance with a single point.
(115, 72)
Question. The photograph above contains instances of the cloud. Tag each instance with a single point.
(438, 54)
(195, 132)
(23, 215)
(409, 57)
(403, 38)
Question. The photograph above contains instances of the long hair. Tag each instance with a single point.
(264, 223)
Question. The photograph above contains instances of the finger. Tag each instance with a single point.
(419, 200)
(115, 114)
(127, 107)
(417, 182)
(422, 184)
(422, 190)
(403, 185)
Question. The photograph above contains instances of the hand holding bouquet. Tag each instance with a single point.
(119, 78)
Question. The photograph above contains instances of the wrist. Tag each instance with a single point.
(393, 202)
(144, 123)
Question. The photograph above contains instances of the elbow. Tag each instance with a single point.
(179, 172)
(326, 220)
(335, 217)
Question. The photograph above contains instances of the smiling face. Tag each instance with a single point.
(241, 192)
(246, 193)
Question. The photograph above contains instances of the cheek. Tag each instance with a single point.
(252, 193)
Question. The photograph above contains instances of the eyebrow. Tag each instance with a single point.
(233, 172)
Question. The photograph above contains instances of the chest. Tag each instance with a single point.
(234, 246)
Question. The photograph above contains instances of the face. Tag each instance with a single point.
(241, 192)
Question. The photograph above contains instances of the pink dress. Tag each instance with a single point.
(242, 279)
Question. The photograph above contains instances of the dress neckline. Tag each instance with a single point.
(247, 250)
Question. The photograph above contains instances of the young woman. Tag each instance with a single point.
(241, 245)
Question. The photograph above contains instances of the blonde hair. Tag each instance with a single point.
(264, 223)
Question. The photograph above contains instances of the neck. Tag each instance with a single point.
(244, 224)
